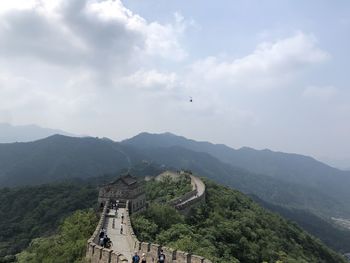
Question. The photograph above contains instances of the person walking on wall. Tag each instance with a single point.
(101, 236)
(161, 257)
(121, 228)
(135, 258)
(143, 258)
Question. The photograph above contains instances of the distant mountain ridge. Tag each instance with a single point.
(26, 133)
(61, 157)
(303, 171)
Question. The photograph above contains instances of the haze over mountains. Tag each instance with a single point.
(26, 133)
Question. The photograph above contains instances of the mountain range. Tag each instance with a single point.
(300, 174)
(283, 181)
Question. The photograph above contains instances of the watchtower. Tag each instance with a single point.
(126, 187)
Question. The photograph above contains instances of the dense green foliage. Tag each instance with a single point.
(230, 227)
(335, 237)
(31, 212)
(167, 189)
(67, 246)
(266, 187)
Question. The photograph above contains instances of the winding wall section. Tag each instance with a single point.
(129, 241)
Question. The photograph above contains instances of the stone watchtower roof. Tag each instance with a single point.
(127, 179)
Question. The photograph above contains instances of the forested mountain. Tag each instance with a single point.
(292, 168)
(68, 245)
(25, 133)
(268, 188)
(333, 236)
(229, 227)
(31, 212)
(60, 157)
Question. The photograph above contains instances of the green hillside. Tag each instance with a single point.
(31, 212)
(333, 236)
(231, 228)
(229, 224)
(68, 245)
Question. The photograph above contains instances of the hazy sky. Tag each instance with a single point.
(266, 74)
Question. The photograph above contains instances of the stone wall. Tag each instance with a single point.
(186, 207)
(171, 255)
(191, 199)
(152, 250)
(183, 198)
(98, 254)
(182, 203)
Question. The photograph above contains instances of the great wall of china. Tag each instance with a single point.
(126, 243)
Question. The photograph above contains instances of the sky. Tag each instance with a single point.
(264, 74)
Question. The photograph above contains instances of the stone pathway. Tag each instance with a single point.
(120, 241)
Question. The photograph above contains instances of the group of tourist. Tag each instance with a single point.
(105, 241)
(136, 258)
(114, 205)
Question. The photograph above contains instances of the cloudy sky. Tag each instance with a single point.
(265, 74)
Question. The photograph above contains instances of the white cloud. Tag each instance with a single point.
(272, 64)
(158, 39)
(91, 66)
(61, 59)
(17, 4)
(320, 92)
(95, 34)
(152, 79)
